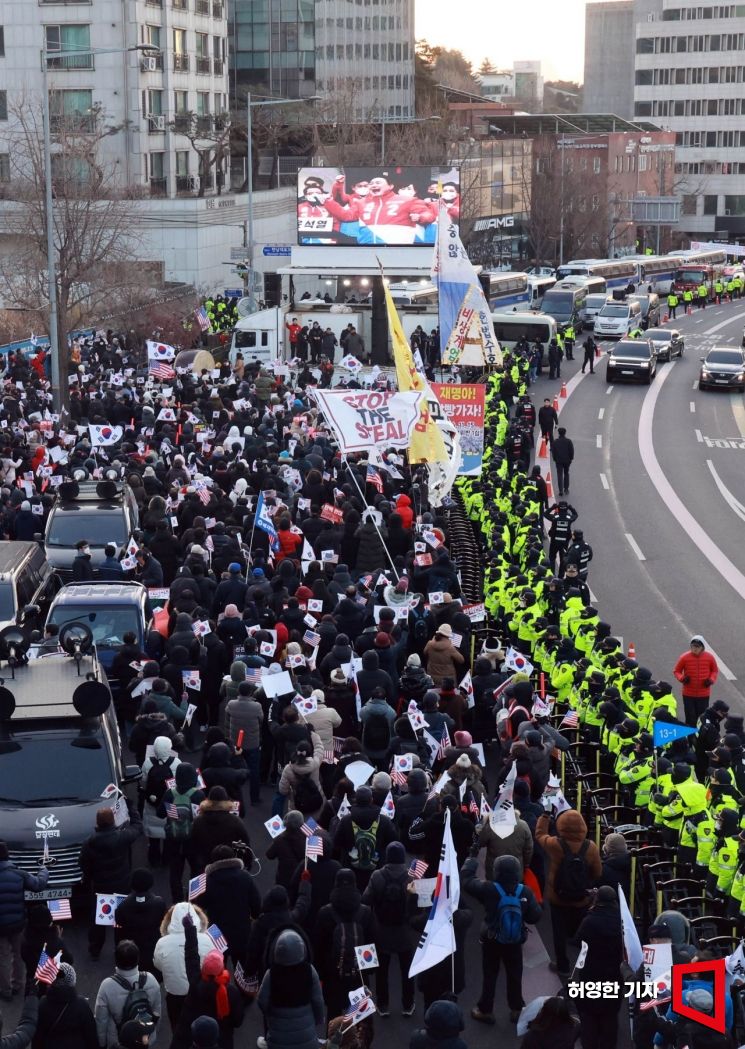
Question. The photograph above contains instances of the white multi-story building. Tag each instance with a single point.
(184, 222)
(689, 77)
(497, 85)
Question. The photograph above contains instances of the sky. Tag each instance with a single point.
(505, 31)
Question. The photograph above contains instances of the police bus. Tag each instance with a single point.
(506, 290)
(618, 273)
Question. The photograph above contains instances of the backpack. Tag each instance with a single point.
(391, 906)
(506, 924)
(181, 828)
(136, 1004)
(364, 854)
(157, 776)
(346, 936)
(419, 629)
(572, 879)
(376, 734)
(308, 797)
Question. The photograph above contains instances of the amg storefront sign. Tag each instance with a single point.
(495, 222)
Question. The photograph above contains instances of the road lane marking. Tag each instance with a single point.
(723, 324)
(634, 546)
(599, 440)
(594, 600)
(692, 406)
(604, 482)
(695, 385)
(601, 413)
(699, 436)
(609, 389)
(729, 572)
(717, 312)
(728, 497)
(700, 321)
(739, 413)
(723, 668)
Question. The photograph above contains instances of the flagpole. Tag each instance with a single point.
(452, 956)
(353, 475)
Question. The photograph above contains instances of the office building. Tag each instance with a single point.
(363, 56)
(609, 58)
(689, 74)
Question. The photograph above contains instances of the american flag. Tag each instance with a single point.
(60, 910)
(473, 806)
(161, 370)
(417, 869)
(200, 315)
(248, 984)
(444, 743)
(215, 934)
(314, 847)
(254, 674)
(48, 968)
(171, 811)
(310, 637)
(329, 757)
(338, 744)
(308, 827)
(399, 778)
(204, 493)
(197, 886)
(570, 720)
(373, 477)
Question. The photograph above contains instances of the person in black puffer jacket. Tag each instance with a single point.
(600, 929)
(276, 915)
(231, 898)
(21, 1037)
(227, 770)
(344, 919)
(40, 933)
(322, 879)
(65, 1019)
(139, 916)
(410, 806)
(184, 635)
(414, 682)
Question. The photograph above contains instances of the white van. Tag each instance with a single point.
(593, 305)
(538, 286)
(617, 318)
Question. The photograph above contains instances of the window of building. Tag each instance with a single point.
(151, 35)
(179, 44)
(4, 167)
(182, 162)
(710, 204)
(2, 41)
(688, 206)
(157, 166)
(71, 109)
(734, 205)
(181, 102)
(596, 165)
(643, 109)
(155, 103)
(3, 105)
(203, 103)
(69, 38)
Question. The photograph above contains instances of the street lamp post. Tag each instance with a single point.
(250, 105)
(54, 348)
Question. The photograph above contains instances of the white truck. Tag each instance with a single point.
(263, 336)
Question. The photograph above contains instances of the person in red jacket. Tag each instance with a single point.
(697, 671)
(289, 541)
(404, 511)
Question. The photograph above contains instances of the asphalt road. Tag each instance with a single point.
(661, 498)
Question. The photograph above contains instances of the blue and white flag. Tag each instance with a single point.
(265, 523)
(667, 732)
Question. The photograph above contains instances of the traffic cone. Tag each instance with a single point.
(597, 350)
(632, 650)
(549, 486)
(543, 449)
(689, 311)
(556, 403)
(563, 390)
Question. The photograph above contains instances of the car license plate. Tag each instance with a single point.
(49, 894)
(722, 382)
(627, 371)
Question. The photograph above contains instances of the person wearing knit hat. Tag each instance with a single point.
(114, 990)
(139, 915)
(290, 995)
(135, 1035)
(205, 1033)
(65, 1018)
(616, 863)
(387, 894)
(211, 993)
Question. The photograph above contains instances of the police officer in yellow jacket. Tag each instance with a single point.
(637, 775)
(687, 799)
(723, 862)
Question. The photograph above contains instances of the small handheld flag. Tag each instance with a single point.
(570, 719)
(48, 968)
(215, 934)
(309, 827)
(60, 910)
(367, 956)
(417, 869)
(313, 847)
(197, 886)
(171, 811)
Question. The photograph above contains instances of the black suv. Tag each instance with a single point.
(100, 511)
(59, 752)
(109, 610)
(632, 359)
(723, 367)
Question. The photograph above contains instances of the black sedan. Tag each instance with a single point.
(668, 342)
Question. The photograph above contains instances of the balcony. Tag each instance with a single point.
(202, 7)
(218, 10)
(73, 124)
(217, 66)
(182, 123)
(180, 63)
(158, 187)
(156, 122)
(203, 65)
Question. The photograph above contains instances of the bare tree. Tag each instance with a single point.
(93, 222)
(209, 137)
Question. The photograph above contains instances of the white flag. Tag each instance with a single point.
(103, 436)
(503, 820)
(516, 661)
(580, 963)
(631, 942)
(160, 351)
(466, 686)
(736, 963)
(437, 942)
